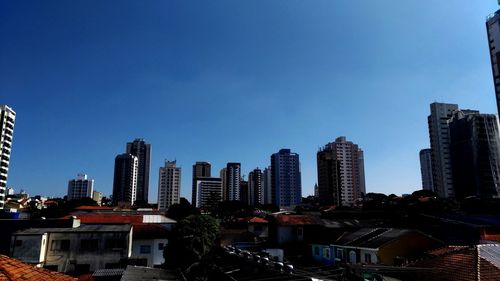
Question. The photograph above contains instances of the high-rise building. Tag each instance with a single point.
(7, 119)
(200, 170)
(493, 31)
(341, 174)
(169, 185)
(81, 187)
(329, 184)
(233, 178)
(142, 151)
(439, 135)
(209, 192)
(267, 186)
(426, 169)
(255, 187)
(97, 196)
(285, 179)
(244, 192)
(475, 154)
(222, 175)
(125, 179)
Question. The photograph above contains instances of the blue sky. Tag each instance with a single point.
(234, 81)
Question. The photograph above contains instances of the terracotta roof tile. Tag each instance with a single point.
(296, 220)
(12, 269)
(98, 218)
(149, 231)
(463, 263)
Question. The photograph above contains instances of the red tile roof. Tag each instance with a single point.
(94, 208)
(258, 220)
(12, 269)
(296, 220)
(98, 218)
(459, 263)
(253, 220)
(149, 231)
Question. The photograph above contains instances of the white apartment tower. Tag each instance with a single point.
(169, 185)
(81, 187)
(7, 119)
(351, 170)
(493, 31)
(208, 192)
(125, 180)
(439, 134)
(233, 178)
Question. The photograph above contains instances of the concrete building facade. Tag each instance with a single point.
(439, 135)
(286, 182)
(493, 31)
(142, 150)
(81, 187)
(201, 169)
(475, 154)
(7, 119)
(341, 162)
(125, 179)
(233, 180)
(426, 169)
(169, 185)
(208, 192)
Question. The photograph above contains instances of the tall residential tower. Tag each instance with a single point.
(200, 170)
(81, 187)
(439, 135)
(125, 179)
(142, 151)
(475, 154)
(233, 180)
(169, 185)
(426, 169)
(341, 173)
(7, 119)
(493, 31)
(285, 179)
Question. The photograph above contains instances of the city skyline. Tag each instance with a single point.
(299, 69)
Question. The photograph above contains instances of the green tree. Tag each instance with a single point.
(182, 210)
(191, 244)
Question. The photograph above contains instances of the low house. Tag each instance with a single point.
(386, 246)
(323, 254)
(292, 228)
(149, 240)
(77, 249)
(256, 225)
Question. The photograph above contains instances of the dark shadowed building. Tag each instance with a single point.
(142, 151)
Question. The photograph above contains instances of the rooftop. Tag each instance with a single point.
(12, 269)
(296, 220)
(82, 228)
(139, 273)
(371, 237)
(464, 263)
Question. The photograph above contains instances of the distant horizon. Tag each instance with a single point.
(226, 81)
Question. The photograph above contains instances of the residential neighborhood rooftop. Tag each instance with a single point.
(13, 269)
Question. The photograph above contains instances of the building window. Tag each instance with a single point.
(60, 245)
(19, 243)
(145, 249)
(368, 258)
(116, 244)
(340, 254)
(316, 250)
(88, 245)
(326, 253)
(300, 232)
(160, 246)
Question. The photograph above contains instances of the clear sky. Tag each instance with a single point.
(234, 81)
